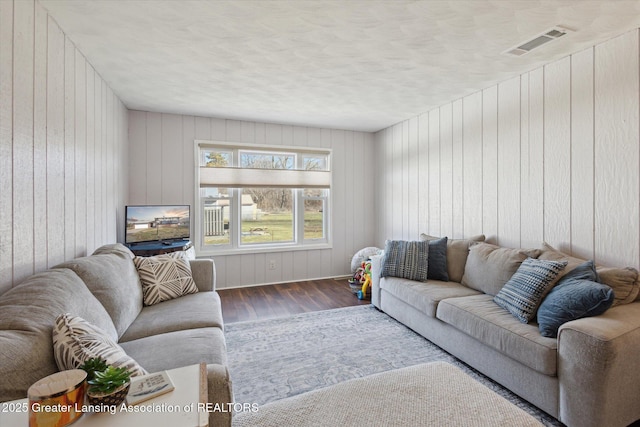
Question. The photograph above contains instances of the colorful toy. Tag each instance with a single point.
(366, 274)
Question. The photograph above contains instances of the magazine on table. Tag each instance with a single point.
(148, 387)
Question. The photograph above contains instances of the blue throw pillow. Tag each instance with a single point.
(576, 295)
(408, 260)
(438, 260)
(584, 271)
(522, 294)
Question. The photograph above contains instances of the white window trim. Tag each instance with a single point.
(232, 249)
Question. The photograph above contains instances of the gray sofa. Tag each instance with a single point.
(587, 376)
(105, 290)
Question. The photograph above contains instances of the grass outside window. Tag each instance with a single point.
(276, 227)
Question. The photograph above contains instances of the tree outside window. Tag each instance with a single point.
(262, 215)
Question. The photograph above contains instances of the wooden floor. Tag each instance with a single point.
(263, 302)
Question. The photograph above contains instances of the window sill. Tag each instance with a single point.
(207, 253)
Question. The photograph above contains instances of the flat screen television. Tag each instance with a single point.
(157, 223)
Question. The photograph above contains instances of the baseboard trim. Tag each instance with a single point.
(253, 285)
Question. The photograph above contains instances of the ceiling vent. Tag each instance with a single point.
(541, 39)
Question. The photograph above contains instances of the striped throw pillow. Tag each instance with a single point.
(522, 294)
(75, 341)
(165, 277)
(408, 260)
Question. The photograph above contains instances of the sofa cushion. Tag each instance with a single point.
(27, 315)
(409, 260)
(623, 281)
(550, 253)
(523, 293)
(113, 279)
(457, 251)
(481, 318)
(111, 248)
(75, 341)
(204, 274)
(489, 267)
(164, 277)
(584, 271)
(424, 296)
(200, 310)
(180, 348)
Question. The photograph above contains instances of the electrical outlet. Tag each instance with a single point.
(272, 264)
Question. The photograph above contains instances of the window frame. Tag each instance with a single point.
(235, 246)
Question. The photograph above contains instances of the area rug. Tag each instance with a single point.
(429, 394)
(278, 358)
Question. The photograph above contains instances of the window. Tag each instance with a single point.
(255, 198)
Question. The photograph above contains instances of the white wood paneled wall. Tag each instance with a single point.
(552, 155)
(63, 137)
(161, 156)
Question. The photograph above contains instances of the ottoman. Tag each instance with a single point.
(432, 394)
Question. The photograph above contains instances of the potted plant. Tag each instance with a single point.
(109, 387)
(93, 365)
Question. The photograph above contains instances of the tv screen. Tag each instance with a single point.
(152, 223)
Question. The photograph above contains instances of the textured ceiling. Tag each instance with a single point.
(359, 65)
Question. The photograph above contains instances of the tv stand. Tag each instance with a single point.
(159, 248)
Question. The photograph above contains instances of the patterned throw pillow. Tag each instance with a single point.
(75, 341)
(522, 294)
(164, 277)
(409, 260)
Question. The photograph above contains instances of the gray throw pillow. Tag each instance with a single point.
(408, 260)
(438, 260)
(523, 293)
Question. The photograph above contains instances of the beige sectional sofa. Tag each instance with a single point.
(105, 290)
(587, 376)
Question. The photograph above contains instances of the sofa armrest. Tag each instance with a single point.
(598, 368)
(376, 268)
(220, 392)
(204, 274)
